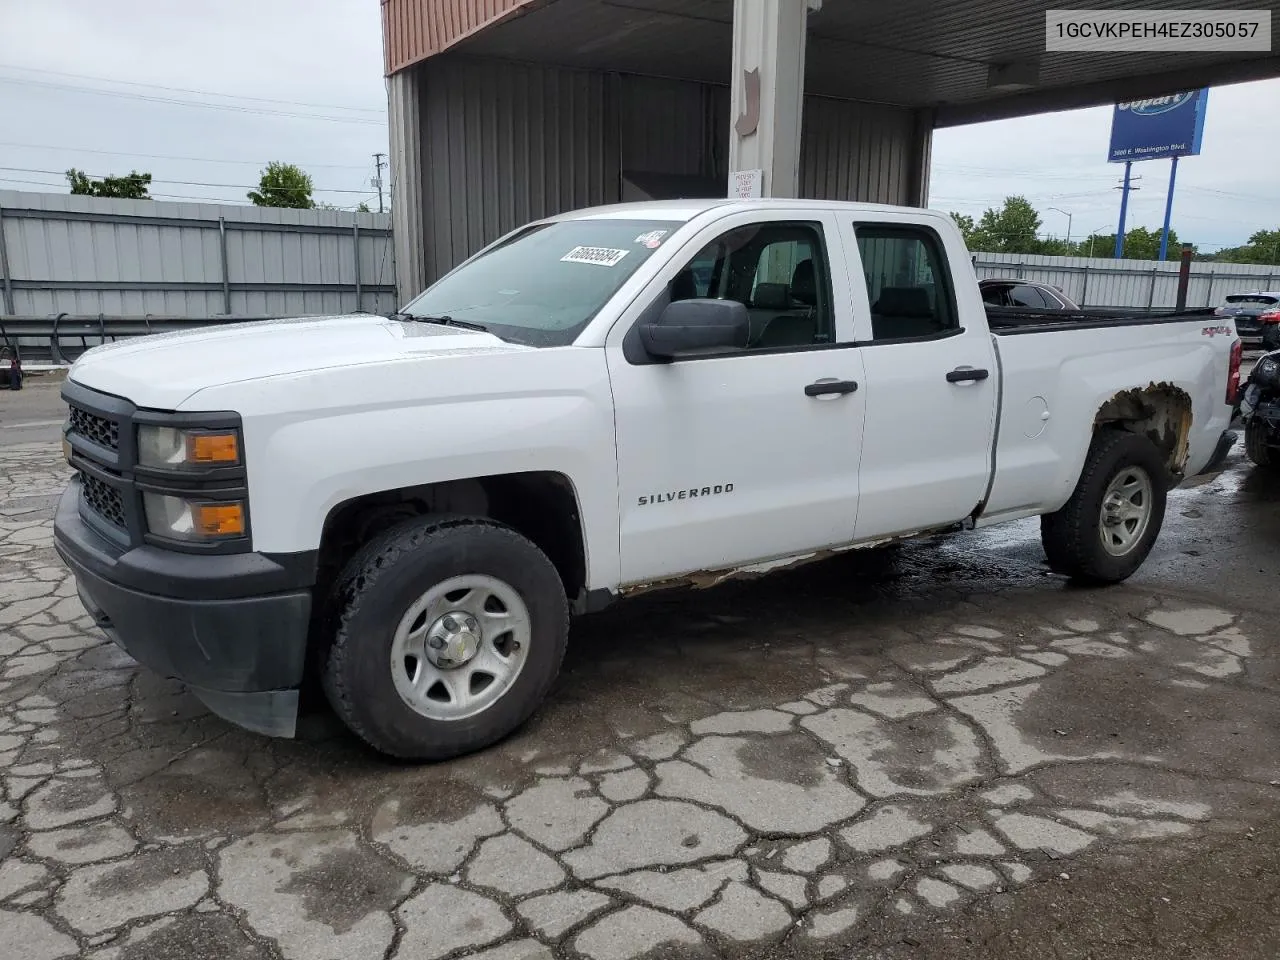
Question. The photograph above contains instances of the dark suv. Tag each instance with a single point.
(1257, 316)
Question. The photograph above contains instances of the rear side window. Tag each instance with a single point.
(1022, 295)
(908, 283)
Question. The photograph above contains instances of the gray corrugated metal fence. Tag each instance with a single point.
(89, 255)
(1141, 284)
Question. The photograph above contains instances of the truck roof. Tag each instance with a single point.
(685, 210)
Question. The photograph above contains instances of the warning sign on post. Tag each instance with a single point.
(746, 184)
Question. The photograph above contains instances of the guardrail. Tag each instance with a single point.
(62, 338)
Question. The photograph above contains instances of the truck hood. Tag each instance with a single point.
(163, 370)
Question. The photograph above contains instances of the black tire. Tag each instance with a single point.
(1072, 536)
(1271, 337)
(1256, 447)
(387, 576)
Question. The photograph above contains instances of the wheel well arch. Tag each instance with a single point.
(1161, 412)
(541, 505)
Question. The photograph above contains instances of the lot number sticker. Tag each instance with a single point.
(596, 256)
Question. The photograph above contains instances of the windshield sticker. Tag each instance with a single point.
(596, 256)
(652, 239)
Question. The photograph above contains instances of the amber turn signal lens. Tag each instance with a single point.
(219, 519)
(212, 448)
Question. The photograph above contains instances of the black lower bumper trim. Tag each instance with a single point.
(244, 656)
(270, 712)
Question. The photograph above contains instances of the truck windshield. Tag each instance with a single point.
(546, 283)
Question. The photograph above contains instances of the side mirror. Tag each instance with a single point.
(688, 325)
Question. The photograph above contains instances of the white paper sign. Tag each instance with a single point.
(746, 184)
(596, 256)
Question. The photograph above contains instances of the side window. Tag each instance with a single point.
(996, 294)
(778, 271)
(908, 283)
(1026, 296)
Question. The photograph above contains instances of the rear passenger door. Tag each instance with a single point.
(932, 382)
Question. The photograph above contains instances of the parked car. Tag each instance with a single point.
(411, 507)
(1256, 315)
(1025, 293)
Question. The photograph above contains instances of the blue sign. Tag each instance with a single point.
(1171, 126)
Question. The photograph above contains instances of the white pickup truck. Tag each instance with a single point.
(408, 509)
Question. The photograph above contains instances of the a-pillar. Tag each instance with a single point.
(768, 93)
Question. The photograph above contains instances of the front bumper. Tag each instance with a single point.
(233, 627)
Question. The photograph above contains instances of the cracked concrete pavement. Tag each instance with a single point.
(848, 757)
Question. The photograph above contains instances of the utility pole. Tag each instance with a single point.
(376, 182)
(1124, 206)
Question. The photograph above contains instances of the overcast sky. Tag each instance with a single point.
(107, 87)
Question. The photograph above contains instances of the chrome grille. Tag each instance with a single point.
(95, 429)
(103, 499)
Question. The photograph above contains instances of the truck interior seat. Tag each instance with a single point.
(903, 312)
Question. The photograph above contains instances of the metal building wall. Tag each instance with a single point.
(1141, 284)
(858, 151)
(673, 127)
(90, 255)
(506, 143)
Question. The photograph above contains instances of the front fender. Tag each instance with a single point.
(312, 447)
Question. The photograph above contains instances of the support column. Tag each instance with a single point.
(768, 94)
(920, 162)
(407, 215)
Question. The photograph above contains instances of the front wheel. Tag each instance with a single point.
(451, 632)
(1108, 527)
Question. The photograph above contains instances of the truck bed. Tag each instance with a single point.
(1009, 321)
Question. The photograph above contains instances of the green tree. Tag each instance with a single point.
(1263, 247)
(1011, 229)
(965, 223)
(1139, 244)
(283, 185)
(132, 187)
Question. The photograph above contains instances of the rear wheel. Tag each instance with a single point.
(1108, 527)
(1271, 336)
(451, 632)
(1256, 446)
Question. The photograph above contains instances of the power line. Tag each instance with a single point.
(150, 196)
(203, 93)
(175, 101)
(161, 156)
(186, 183)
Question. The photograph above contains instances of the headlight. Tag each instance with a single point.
(170, 448)
(1267, 372)
(196, 521)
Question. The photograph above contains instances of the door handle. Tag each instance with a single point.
(966, 374)
(825, 388)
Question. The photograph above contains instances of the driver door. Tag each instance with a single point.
(749, 454)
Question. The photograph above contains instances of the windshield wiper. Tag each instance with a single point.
(443, 319)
